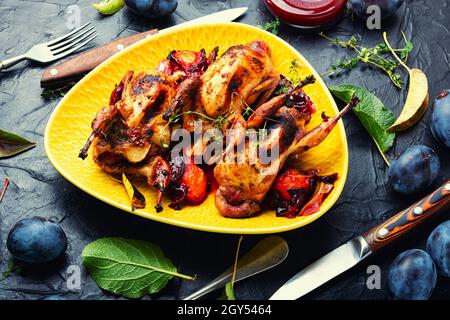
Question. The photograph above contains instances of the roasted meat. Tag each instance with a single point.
(133, 129)
(243, 76)
(244, 179)
(128, 134)
(235, 91)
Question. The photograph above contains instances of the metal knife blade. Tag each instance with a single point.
(75, 68)
(351, 253)
(221, 16)
(326, 268)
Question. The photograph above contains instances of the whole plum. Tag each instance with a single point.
(412, 276)
(36, 240)
(438, 246)
(388, 7)
(414, 169)
(152, 8)
(440, 118)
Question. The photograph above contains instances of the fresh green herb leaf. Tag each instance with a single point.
(294, 73)
(272, 26)
(11, 268)
(130, 268)
(229, 291)
(229, 288)
(57, 93)
(12, 144)
(375, 56)
(375, 117)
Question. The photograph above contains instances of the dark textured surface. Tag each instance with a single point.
(37, 189)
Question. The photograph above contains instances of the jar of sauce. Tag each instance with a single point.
(307, 13)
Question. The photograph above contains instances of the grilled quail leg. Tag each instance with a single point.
(243, 186)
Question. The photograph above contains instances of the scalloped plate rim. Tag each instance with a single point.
(305, 220)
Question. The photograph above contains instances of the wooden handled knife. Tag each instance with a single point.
(354, 251)
(75, 68)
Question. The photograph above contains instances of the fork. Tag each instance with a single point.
(55, 49)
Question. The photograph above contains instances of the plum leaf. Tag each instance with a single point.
(12, 144)
(375, 117)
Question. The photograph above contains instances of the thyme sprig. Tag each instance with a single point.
(294, 73)
(376, 56)
(272, 26)
(57, 93)
(218, 122)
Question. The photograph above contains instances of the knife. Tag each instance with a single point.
(75, 68)
(354, 251)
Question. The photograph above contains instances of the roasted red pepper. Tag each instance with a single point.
(194, 178)
(189, 183)
(292, 179)
(300, 193)
(292, 189)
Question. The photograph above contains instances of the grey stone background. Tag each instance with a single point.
(37, 189)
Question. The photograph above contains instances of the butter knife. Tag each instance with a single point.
(77, 67)
(354, 251)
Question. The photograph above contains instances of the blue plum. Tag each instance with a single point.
(152, 8)
(438, 246)
(412, 276)
(36, 240)
(414, 170)
(440, 118)
(388, 7)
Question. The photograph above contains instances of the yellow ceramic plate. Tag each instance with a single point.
(69, 127)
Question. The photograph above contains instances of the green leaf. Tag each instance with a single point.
(11, 268)
(130, 268)
(12, 144)
(229, 287)
(272, 26)
(229, 291)
(375, 117)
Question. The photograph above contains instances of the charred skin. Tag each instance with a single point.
(142, 98)
(243, 70)
(104, 119)
(243, 75)
(243, 186)
(157, 173)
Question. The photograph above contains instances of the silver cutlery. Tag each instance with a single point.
(80, 65)
(57, 48)
(265, 255)
(356, 250)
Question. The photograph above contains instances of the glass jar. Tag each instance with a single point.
(307, 14)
